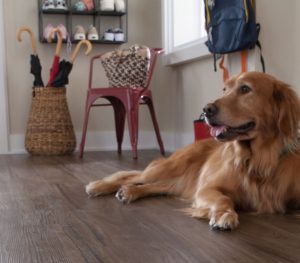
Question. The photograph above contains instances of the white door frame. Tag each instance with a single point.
(4, 116)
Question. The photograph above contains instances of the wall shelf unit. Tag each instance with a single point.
(101, 20)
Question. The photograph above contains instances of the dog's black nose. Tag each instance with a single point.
(210, 110)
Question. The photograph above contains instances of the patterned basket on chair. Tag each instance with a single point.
(127, 68)
(50, 129)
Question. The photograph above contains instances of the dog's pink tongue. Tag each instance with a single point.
(216, 131)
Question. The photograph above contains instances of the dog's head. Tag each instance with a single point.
(254, 104)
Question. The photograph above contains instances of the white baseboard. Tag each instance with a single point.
(106, 141)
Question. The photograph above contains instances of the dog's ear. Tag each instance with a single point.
(287, 111)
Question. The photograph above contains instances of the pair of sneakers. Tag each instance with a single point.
(50, 27)
(116, 34)
(112, 5)
(80, 33)
(83, 5)
(54, 4)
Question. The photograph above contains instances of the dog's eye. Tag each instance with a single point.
(245, 89)
(224, 89)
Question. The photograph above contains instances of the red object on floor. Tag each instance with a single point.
(125, 102)
(201, 130)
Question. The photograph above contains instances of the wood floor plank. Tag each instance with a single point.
(46, 216)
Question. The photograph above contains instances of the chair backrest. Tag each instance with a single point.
(135, 73)
(154, 53)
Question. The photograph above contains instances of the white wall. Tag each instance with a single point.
(180, 92)
(280, 38)
(197, 84)
(144, 23)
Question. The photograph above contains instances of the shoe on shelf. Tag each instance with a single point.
(47, 31)
(89, 4)
(119, 34)
(92, 33)
(61, 4)
(120, 6)
(79, 33)
(63, 31)
(109, 35)
(48, 4)
(107, 5)
(80, 6)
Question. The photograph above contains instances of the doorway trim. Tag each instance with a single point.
(4, 116)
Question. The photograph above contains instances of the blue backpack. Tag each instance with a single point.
(231, 26)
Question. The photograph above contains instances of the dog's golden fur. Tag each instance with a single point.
(255, 170)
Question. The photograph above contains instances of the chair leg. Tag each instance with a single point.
(120, 115)
(133, 119)
(155, 124)
(84, 129)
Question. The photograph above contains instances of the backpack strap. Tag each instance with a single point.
(246, 10)
(215, 62)
(207, 13)
(244, 60)
(244, 64)
(262, 61)
(225, 70)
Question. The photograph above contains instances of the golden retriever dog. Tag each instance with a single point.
(252, 164)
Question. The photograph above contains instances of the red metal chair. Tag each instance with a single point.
(125, 102)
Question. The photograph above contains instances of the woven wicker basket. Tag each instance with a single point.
(50, 130)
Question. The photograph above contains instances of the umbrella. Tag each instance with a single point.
(35, 64)
(55, 64)
(65, 67)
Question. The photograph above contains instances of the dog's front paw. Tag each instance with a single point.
(227, 220)
(93, 189)
(126, 194)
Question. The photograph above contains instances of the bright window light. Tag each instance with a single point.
(189, 22)
(184, 30)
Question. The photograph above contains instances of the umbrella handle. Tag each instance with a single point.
(59, 41)
(32, 37)
(77, 48)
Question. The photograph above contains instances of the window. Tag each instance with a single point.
(184, 30)
(188, 23)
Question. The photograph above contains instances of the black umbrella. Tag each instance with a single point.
(65, 67)
(36, 70)
(62, 78)
(35, 63)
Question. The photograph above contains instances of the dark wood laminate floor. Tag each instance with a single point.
(45, 216)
